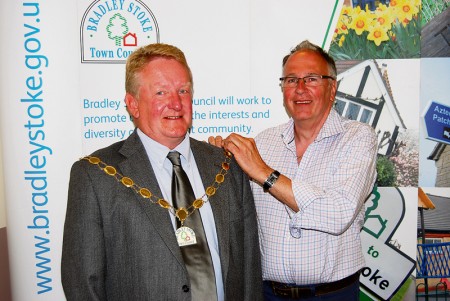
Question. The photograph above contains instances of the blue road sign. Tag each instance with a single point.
(437, 122)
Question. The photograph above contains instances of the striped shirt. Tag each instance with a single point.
(321, 242)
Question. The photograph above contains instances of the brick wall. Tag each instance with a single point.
(443, 169)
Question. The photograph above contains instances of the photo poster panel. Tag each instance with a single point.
(234, 50)
(434, 88)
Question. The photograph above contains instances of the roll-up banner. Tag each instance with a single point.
(40, 89)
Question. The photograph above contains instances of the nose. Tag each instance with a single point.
(301, 86)
(175, 102)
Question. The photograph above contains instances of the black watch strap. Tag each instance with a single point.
(270, 181)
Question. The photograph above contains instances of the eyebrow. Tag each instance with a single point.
(307, 74)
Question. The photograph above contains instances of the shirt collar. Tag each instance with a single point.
(332, 126)
(158, 152)
(288, 133)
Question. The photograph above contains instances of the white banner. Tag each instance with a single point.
(235, 50)
(39, 129)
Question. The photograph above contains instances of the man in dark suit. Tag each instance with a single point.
(124, 236)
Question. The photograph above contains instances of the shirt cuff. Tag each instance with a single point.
(295, 225)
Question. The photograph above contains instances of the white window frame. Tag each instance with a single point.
(363, 107)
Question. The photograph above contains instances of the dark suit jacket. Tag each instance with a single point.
(119, 246)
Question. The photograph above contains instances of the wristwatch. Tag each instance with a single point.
(270, 181)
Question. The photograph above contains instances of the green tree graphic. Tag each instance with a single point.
(117, 28)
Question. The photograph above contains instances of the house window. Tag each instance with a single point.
(366, 116)
(433, 240)
(354, 111)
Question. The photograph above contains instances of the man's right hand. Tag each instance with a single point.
(217, 141)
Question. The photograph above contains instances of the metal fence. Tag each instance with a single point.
(440, 292)
(433, 261)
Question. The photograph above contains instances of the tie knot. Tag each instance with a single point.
(174, 157)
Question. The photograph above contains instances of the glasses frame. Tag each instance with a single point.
(282, 79)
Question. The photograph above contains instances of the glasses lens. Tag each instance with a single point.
(309, 81)
(289, 81)
(312, 80)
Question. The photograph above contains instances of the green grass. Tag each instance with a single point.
(432, 8)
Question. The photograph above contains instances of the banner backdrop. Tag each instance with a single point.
(40, 116)
(234, 49)
(62, 91)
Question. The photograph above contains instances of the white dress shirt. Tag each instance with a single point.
(162, 167)
(321, 242)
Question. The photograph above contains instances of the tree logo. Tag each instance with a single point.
(117, 28)
(111, 30)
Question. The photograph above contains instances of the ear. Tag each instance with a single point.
(132, 105)
(333, 90)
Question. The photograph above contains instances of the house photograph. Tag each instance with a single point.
(376, 92)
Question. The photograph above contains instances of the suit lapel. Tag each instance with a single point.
(208, 169)
(137, 166)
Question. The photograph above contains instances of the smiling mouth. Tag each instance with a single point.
(302, 101)
(173, 117)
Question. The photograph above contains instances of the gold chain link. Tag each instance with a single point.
(180, 213)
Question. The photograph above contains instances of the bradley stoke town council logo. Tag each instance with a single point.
(111, 30)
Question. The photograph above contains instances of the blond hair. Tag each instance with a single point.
(143, 55)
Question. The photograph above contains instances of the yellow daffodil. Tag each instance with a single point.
(357, 25)
(377, 34)
(342, 27)
(406, 10)
(384, 18)
(346, 10)
(361, 22)
(393, 3)
(341, 40)
(381, 7)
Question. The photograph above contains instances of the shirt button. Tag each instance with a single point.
(185, 288)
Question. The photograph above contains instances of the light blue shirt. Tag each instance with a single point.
(157, 154)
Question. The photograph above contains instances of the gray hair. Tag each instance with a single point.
(306, 45)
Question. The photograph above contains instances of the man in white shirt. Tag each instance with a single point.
(310, 179)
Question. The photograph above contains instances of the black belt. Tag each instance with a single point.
(306, 291)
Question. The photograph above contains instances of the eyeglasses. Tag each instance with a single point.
(309, 81)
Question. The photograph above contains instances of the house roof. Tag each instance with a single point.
(424, 200)
(347, 67)
(437, 152)
(436, 220)
(342, 66)
(384, 75)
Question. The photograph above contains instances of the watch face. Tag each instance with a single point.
(273, 177)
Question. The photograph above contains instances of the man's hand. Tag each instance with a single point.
(216, 141)
(247, 156)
